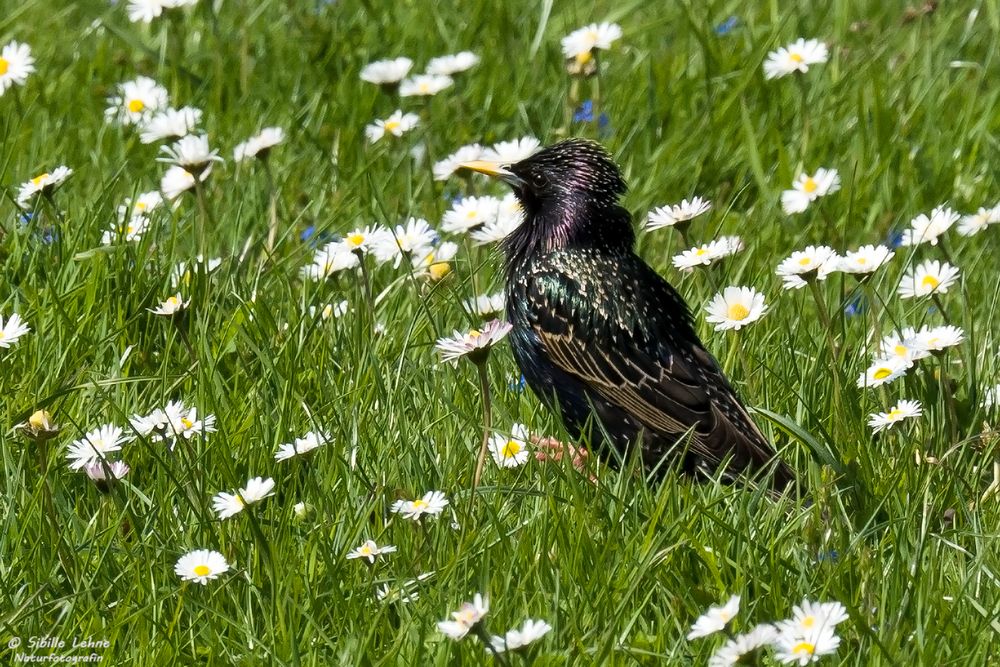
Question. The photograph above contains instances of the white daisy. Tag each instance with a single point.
(307, 443)
(804, 649)
(424, 85)
(991, 396)
(330, 259)
(11, 330)
(103, 473)
(515, 150)
(452, 64)
(807, 189)
(976, 222)
(436, 263)
(735, 307)
(171, 305)
(444, 168)
(466, 618)
(174, 420)
(191, 153)
(510, 216)
(144, 204)
(531, 631)
(384, 72)
(927, 229)
(733, 651)
(227, 505)
(334, 310)
(707, 253)
(938, 339)
(930, 277)
(512, 451)
(670, 215)
(475, 344)
(169, 124)
(43, 184)
(396, 125)
(578, 47)
(259, 146)
(136, 101)
(16, 64)
(95, 445)
(361, 240)
(884, 371)
(469, 213)
(487, 304)
(432, 503)
(414, 238)
(369, 549)
(865, 259)
(127, 231)
(715, 619)
(144, 11)
(902, 410)
(815, 262)
(903, 344)
(178, 180)
(201, 566)
(796, 57)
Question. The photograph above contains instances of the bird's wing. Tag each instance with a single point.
(668, 383)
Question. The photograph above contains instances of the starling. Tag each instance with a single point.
(604, 339)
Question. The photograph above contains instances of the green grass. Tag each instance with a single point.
(619, 569)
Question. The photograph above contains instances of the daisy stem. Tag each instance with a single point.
(872, 298)
(366, 286)
(804, 106)
(595, 95)
(948, 396)
(824, 315)
(206, 216)
(272, 194)
(485, 638)
(940, 307)
(484, 383)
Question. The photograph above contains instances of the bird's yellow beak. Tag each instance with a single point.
(494, 169)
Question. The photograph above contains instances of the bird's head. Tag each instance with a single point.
(569, 192)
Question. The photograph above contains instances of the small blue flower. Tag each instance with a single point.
(855, 306)
(517, 385)
(307, 232)
(25, 217)
(894, 238)
(727, 26)
(585, 114)
(831, 556)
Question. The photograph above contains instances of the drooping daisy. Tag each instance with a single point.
(396, 125)
(715, 619)
(804, 649)
(884, 371)
(938, 339)
(128, 231)
(436, 264)
(902, 410)
(307, 443)
(466, 618)
(40, 426)
(531, 631)
(370, 550)
(927, 229)
(512, 451)
(178, 180)
(475, 344)
(136, 101)
(334, 310)
(227, 505)
(383, 72)
(414, 238)
(707, 253)
(735, 307)
(143, 205)
(44, 184)
(16, 64)
(174, 420)
(677, 214)
(144, 11)
(733, 651)
(815, 262)
(991, 397)
(452, 64)
(796, 57)
(329, 260)
(515, 150)
(95, 445)
(487, 304)
(930, 277)
(469, 213)
(424, 85)
(103, 473)
(976, 222)
(170, 124)
(806, 189)
(260, 145)
(444, 168)
(865, 259)
(578, 47)
(11, 330)
(192, 153)
(201, 566)
(171, 306)
(432, 503)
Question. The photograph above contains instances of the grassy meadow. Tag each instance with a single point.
(899, 526)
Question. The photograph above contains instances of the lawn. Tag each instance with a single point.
(900, 526)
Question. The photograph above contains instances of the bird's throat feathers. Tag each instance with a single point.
(572, 222)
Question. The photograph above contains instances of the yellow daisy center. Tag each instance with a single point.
(3, 334)
(894, 414)
(738, 311)
(796, 57)
(930, 281)
(724, 616)
(356, 239)
(805, 261)
(472, 215)
(881, 373)
(810, 185)
(701, 251)
(327, 311)
(365, 550)
(172, 301)
(420, 503)
(187, 422)
(4, 66)
(808, 621)
(425, 88)
(140, 206)
(901, 350)
(861, 260)
(475, 333)
(584, 58)
(202, 570)
(511, 449)
(803, 647)
(37, 180)
(439, 270)
(392, 125)
(130, 229)
(136, 106)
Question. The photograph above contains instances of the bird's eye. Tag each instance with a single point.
(539, 180)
